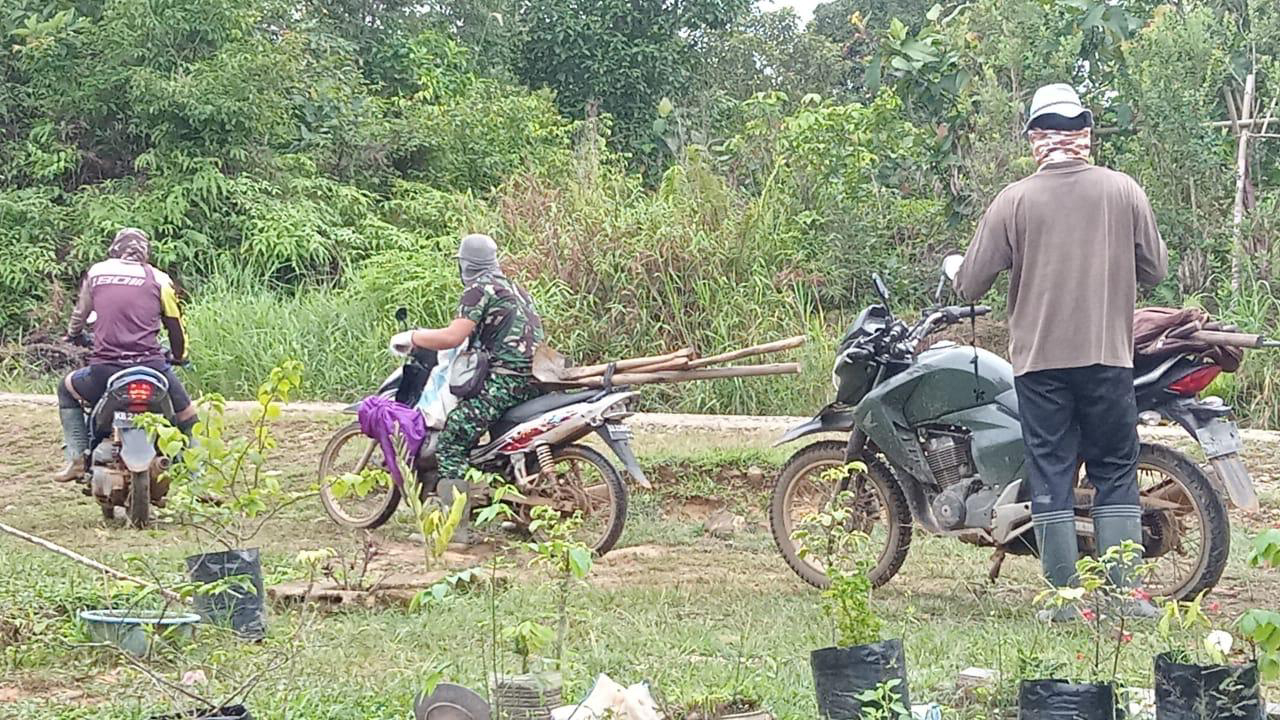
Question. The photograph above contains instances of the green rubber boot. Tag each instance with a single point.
(1059, 551)
(1111, 527)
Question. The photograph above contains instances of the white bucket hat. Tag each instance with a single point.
(1057, 99)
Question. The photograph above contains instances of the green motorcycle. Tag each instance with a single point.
(937, 429)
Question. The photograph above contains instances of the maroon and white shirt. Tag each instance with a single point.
(132, 300)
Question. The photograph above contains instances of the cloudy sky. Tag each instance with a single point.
(803, 8)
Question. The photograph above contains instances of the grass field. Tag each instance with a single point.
(671, 606)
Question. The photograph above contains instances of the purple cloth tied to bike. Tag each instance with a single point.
(381, 418)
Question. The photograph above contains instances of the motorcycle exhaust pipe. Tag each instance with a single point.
(159, 465)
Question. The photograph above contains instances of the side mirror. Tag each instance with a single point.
(402, 314)
(881, 289)
(951, 266)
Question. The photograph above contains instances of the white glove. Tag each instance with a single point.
(401, 343)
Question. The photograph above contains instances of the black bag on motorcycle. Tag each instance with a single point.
(469, 373)
(241, 605)
(841, 674)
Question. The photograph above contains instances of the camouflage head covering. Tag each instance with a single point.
(1051, 146)
(130, 244)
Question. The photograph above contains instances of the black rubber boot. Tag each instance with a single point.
(1111, 527)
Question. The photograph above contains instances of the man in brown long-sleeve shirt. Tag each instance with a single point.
(1076, 240)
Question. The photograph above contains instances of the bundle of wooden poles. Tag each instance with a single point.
(684, 365)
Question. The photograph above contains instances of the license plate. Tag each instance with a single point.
(124, 419)
(1220, 437)
(619, 431)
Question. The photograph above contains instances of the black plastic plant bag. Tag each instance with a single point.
(1206, 692)
(242, 606)
(230, 712)
(1061, 700)
(840, 675)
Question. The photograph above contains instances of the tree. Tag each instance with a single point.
(616, 56)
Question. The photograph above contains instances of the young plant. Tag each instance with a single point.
(827, 535)
(221, 485)
(1189, 634)
(1095, 598)
(436, 522)
(529, 639)
(348, 570)
(1261, 628)
(565, 558)
(883, 702)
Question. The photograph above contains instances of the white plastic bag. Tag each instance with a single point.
(629, 703)
(436, 401)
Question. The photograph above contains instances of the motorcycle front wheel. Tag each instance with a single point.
(880, 509)
(349, 452)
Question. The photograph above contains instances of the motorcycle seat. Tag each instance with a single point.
(1148, 370)
(531, 409)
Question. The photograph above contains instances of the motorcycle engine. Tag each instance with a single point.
(947, 452)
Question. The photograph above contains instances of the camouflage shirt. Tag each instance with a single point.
(507, 324)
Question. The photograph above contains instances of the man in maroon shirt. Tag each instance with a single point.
(132, 301)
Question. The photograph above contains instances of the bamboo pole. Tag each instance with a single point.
(87, 562)
(691, 375)
(770, 347)
(587, 371)
(1242, 179)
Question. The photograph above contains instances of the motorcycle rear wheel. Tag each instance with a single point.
(880, 495)
(341, 456)
(139, 501)
(586, 479)
(1188, 547)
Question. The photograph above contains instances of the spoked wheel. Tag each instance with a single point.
(349, 452)
(880, 510)
(1185, 530)
(584, 483)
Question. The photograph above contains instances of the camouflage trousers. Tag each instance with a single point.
(472, 417)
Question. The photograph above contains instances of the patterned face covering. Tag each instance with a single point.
(1050, 146)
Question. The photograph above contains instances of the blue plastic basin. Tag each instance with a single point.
(133, 630)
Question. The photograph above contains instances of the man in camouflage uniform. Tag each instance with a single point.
(497, 316)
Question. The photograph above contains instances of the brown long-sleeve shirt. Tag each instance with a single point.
(1077, 240)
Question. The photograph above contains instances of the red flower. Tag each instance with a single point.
(1140, 594)
(1214, 606)
(1088, 615)
(1126, 638)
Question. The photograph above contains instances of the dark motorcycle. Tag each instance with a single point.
(124, 468)
(938, 432)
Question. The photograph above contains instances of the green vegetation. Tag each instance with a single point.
(702, 174)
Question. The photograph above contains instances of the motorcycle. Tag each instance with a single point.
(937, 429)
(124, 468)
(534, 447)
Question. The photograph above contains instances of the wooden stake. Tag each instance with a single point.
(775, 346)
(1242, 179)
(690, 375)
(94, 564)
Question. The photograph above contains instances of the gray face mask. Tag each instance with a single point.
(477, 258)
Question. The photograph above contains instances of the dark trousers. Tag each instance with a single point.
(1080, 414)
(91, 382)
